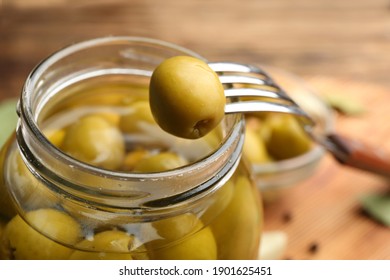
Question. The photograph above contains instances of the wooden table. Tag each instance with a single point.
(341, 46)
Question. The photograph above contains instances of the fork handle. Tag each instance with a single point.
(360, 155)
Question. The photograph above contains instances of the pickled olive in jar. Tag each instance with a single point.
(133, 157)
(106, 245)
(160, 162)
(113, 184)
(139, 114)
(233, 230)
(183, 237)
(186, 97)
(94, 140)
(56, 136)
(111, 117)
(33, 193)
(221, 199)
(199, 246)
(22, 241)
(177, 227)
(254, 147)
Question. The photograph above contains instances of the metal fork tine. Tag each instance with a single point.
(225, 69)
(242, 80)
(242, 70)
(265, 106)
(235, 67)
(238, 79)
(258, 92)
(260, 106)
(253, 92)
(248, 75)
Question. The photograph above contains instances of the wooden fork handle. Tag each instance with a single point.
(360, 155)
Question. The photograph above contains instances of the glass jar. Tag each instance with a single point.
(89, 175)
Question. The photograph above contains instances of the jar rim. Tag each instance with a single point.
(230, 145)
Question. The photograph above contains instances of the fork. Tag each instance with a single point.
(242, 80)
(249, 81)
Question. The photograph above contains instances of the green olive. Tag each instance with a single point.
(139, 113)
(237, 229)
(186, 97)
(106, 245)
(287, 138)
(94, 140)
(111, 117)
(254, 147)
(183, 237)
(133, 157)
(55, 136)
(220, 199)
(23, 242)
(31, 191)
(174, 228)
(200, 246)
(159, 162)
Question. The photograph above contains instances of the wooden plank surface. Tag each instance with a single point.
(338, 46)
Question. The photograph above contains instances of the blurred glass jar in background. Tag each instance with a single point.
(280, 152)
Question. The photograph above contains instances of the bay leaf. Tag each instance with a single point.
(378, 207)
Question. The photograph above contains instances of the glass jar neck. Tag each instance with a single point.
(103, 188)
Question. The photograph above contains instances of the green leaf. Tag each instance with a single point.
(8, 119)
(378, 207)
